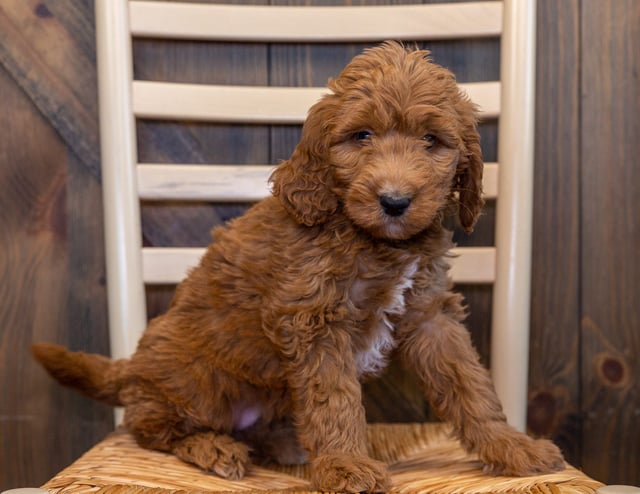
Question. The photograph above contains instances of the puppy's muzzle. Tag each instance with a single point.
(394, 206)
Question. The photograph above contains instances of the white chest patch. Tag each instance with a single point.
(373, 359)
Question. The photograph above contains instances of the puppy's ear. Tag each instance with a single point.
(468, 181)
(303, 183)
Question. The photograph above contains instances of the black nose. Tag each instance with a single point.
(394, 206)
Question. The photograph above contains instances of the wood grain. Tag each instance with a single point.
(610, 235)
(554, 392)
(40, 47)
(51, 255)
(52, 281)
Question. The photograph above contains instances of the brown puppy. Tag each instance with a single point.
(266, 340)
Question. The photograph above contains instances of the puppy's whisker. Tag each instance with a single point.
(464, 189)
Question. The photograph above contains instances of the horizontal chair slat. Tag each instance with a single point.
(168, 265)
(315, 24)
(232, 104)
(473, 265)
(164, 265)
(215, 183)
(230, 183)
(490, 180)
(255, 104)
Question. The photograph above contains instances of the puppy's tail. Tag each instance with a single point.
(93, 375)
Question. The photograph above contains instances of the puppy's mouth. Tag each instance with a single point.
(389, 216)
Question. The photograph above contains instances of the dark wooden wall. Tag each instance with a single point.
(584, 385)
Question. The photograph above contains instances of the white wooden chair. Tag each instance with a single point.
(126, 181)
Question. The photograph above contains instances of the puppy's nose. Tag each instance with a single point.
(394, 206)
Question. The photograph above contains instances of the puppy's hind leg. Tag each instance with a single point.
(217, 453)
(156, 424)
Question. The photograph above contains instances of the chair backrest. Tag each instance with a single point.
(126, 181)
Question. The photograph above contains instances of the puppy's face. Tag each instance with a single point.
(395, 145)
(394, 158)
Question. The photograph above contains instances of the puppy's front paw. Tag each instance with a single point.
(348, 473)
(522, 456)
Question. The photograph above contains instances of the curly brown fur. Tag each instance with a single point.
(294, 302)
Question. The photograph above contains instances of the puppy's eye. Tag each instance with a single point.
(429, 141)
(363, 136)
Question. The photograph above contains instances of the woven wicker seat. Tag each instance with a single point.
(422, 458)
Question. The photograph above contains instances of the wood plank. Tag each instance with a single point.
(168, 266)
(252, 104)
(49, 64)
(230, 183)
(490, 185)
(473, 265)
(554, 376)
(218, 183)
(162, 266)
(293, 23)
(52, 290)
(610, 235)
(241, 104)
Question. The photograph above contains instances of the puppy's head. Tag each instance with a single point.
(395, 146)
